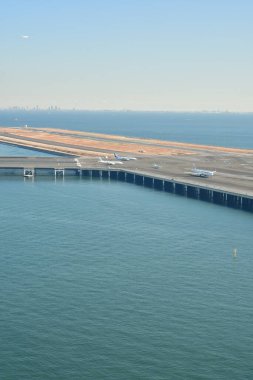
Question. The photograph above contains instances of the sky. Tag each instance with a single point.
(170, 55)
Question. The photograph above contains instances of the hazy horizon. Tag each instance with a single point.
(58, 109)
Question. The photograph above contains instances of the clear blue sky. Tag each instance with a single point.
(127, 54)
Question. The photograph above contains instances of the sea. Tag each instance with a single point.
(108, 280)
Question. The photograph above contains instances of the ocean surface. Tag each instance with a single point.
(108, 280)
(14, 151)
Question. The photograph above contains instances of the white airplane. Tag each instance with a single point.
(25, 37)
(77, 162)
(124, 158)
(202, 172)
(108, 162)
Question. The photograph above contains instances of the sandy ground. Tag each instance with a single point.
(84, 143)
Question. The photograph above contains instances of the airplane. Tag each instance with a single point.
(124, 158)
(108, 162)
(77, 162)
(202, 172)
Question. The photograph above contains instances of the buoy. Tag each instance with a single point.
(234, 252)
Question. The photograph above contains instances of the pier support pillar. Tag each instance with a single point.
(247, 204)
(139, 180)
(130, 178)
(149, 182)
(180, 189)
(86, 173)
(205, 195)
(122, 176)
(234, 201)
(59, 173)
(192, 192)
(169, 186)
(95, 173)
(219, 198)
(113, 174)
(105, 173)
(158, 184)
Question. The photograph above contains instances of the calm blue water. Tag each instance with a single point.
(11, 150)
(225, 129)
(112, 281)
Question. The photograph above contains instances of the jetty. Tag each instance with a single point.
(162, 165)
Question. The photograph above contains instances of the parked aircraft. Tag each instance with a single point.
(109, 162)
(202, 172)
(77, 162)
(124, 158)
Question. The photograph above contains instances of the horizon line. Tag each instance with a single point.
(59, 109)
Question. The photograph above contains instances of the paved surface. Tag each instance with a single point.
(162, 159)
(233, 174)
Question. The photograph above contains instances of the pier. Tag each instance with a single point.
(203, 192)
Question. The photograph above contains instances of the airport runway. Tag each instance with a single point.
(161, 159)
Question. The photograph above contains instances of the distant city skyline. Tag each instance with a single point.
(57, 108)
(140, 55)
